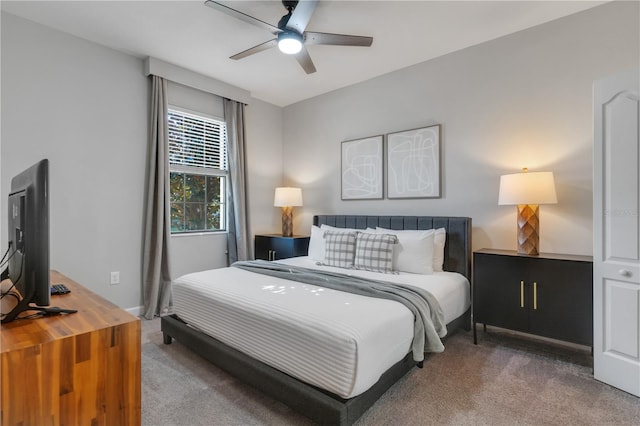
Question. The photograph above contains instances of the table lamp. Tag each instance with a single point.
(287, 198)
(528, 191)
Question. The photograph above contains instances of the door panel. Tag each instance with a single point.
(562, 292)
(621, 188)
(616, 225)
(498, 292)
(283, 247)
(621, 319)
(262, 247)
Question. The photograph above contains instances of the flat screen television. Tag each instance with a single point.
(28, 240)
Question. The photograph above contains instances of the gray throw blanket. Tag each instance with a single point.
(429, 323)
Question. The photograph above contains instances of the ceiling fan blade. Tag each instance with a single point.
(256, 49)
(242, 16)
(336, 39)
(301, 15)
(305, 61)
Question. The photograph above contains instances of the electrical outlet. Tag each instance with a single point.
(115, 277)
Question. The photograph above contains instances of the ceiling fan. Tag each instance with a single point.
(290, 33)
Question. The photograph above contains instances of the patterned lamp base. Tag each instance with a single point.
(528, 229)
(287, 221)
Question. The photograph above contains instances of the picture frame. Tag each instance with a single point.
(362, 169)
(413, 163)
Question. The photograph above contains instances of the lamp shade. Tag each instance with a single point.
(527, 188)
(287, 197)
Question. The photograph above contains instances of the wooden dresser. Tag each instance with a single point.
(77, 369)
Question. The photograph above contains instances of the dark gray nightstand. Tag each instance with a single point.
(275, 247)
(548, 295)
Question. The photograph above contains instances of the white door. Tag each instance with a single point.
(616, 223)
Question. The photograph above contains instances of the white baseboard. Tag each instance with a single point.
(136, 310)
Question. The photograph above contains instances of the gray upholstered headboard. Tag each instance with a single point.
(457, 249)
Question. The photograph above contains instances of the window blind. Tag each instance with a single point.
(196, 141)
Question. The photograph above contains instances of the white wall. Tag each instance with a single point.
(85, 107)
(523, 100)
(264, 156)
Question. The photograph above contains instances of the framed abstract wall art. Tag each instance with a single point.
(361, 167)
(413, 163)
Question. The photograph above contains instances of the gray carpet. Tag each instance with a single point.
(504, 380)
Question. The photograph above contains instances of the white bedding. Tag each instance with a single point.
(337, 341)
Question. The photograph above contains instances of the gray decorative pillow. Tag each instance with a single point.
(339, 248)
(374, 252)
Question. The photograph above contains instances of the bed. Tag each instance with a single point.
(326, 400)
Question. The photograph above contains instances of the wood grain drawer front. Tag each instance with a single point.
(89, 379)
(78, 369)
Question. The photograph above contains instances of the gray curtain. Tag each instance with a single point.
(238, 240)
(156, 276)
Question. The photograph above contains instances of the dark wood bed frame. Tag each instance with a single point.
(319, 405)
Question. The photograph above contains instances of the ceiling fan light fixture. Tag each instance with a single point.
(289, 42)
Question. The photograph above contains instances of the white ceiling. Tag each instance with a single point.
(199, 38)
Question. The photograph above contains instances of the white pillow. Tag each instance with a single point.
(438, 249)
(439, 239)
(316, 244)
(414, 251)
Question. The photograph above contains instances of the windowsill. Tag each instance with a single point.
(199, 234)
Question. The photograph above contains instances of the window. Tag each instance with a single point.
(197, 172)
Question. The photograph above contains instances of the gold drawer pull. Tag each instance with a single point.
(522, 294)
(535, 295)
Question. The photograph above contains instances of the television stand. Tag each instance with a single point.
(78, 369)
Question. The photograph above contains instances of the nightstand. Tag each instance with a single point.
(275, 247)
(547, 295)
